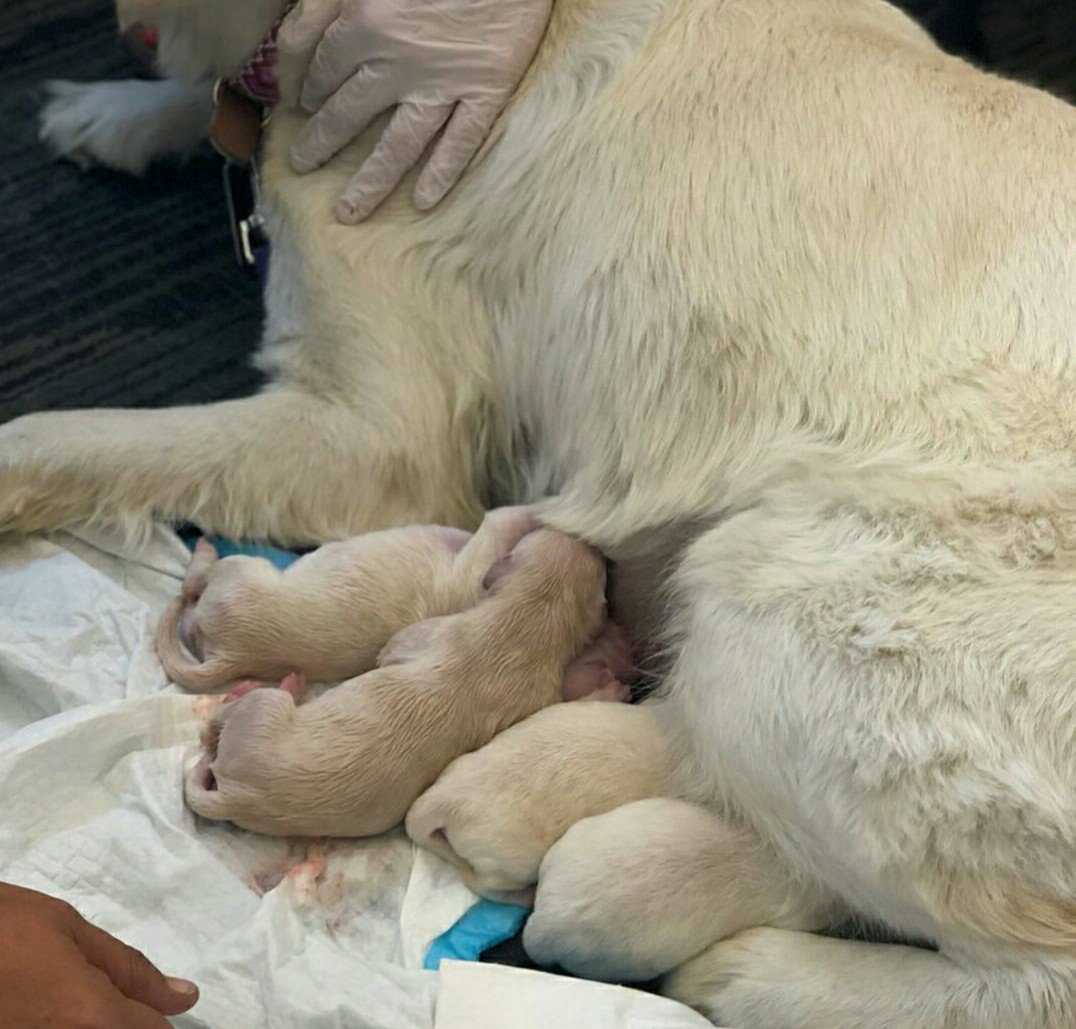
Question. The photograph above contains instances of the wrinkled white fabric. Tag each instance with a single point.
(492, 997)
(447, 66)
(278, 934)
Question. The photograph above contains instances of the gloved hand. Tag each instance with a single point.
(60, 972)
(450, 64)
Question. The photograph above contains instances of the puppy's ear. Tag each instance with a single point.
(412, 643)
(498, 574)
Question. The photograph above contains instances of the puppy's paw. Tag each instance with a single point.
(123, 125)
(611, 691)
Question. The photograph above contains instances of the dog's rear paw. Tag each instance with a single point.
(122, 125)
(83, 123)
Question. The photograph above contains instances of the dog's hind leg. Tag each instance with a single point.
(777, 979)
(855, 690)
(282, 465)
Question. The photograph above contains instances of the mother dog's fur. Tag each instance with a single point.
(780, 281)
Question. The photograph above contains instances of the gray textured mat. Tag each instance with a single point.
(113, 291)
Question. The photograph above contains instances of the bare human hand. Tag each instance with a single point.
(59, 971)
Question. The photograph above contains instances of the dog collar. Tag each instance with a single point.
(257, 80)
(242, 104)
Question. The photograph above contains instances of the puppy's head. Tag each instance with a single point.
(553, 586)
(239, 776)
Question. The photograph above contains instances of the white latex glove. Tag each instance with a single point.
(444, 64)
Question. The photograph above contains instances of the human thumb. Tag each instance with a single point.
(132, 973)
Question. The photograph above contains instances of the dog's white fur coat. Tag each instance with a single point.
(778, 276)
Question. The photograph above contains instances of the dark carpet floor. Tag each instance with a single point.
(115, 291)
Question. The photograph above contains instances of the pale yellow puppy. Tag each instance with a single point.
(630, 894)
(328, 615)
(353, 761)
(495, 813)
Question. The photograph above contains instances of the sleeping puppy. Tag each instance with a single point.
(329, 614)
(353, 761)
(629, 895)
(495, 813)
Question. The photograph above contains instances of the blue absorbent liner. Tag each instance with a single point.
(482, 926)
(230, 548)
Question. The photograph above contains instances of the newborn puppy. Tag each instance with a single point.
(495, 813)
(353, 761)
(328, 615)
(631, 894)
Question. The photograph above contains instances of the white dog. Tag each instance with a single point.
(780, 278)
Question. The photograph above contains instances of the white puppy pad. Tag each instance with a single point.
(493, 997)
(279, 934)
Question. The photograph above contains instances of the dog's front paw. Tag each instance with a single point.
(41, 487)
(23, 492)
(123, 125)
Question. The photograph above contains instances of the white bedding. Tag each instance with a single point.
(276, 933)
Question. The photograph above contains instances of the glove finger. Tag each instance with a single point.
(348, 111)
(337, 58)
(463, 137)
(307, 24)
(401, 145)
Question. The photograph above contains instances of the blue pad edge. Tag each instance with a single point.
(481, 927)
(231, 548)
